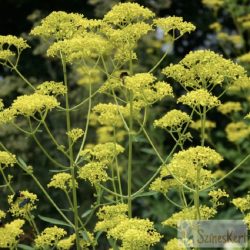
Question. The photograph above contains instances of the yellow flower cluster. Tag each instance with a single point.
(216, 195)
(28, 105)
(108, 114)
(126, 13)
(80, 47)
(189, 213)
(110, 216)
(1, 104)
(247, 220)
(7, 115)
(7, 159)
(241, 84)
(135, 234)
(66, 244)
(10, 234)
(229, 107)
(23, 204)
(236, 40)
(51, 88)
(60, 25)
(175, 244)
(213, 4)
(244, 21)
(242, 203)
(2, 214)
(197, 124)
(245, 58)
(11, 41)
(236, 131)
(174, 23)
(49, 237)
(216, 26)
(94, 172)
(199, 98)
(145, 91)
(75, 133)
(106, 134)
(173, 120)
(62, 181)
(247, 116)
(204, 69)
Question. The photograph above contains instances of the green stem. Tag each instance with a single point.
(6, 180)
(72, 167)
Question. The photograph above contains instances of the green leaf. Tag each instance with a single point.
(147, 194)
(85, 214)
(25, 247)
(54, 221)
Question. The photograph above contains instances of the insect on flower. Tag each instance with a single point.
(167, 177)
(17, 195)
(24, 202)
(123, 75)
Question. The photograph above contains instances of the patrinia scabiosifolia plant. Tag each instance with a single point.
(104, 53)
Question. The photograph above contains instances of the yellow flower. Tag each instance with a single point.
(235, 40)
(215, 26)
(173, 120)
(237, 131)
(10, 40)
(94, 172)
(229, 107)
(175, 244)
(75, 133)
(247, 220)
(204, 69)
(7, 115)
(66, 244)
(23, 204)
(242, 84)
(174, 23)
(60, 25)
(49, 237)
(242, 203)
(197, 124)
(213, 4)
(62, 181)
(199, 98)
(247, 116)
(189, 213)
(125, 13)
(106, 134)
(6, 54)
(2, 214)
(7, 159)
(28, 105)
(216, 195)
(51, 88)
(135, 234)
(80, 47)
(10, 234)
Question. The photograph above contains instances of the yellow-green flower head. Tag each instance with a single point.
(213, 4)
(60, 25)
(51, 88)
(216, 195)
(106, 134)
(87, 75)
(66, 244)
(135, 234)
(94, 172)
(75, 133)
(49, 237)
(236, 131)
(23, 205)
(242, 203)
(6, 54)
(204, 69)
(199, 98)
(104, 152)
(244, 21)
(247, 116)
(7, 159)
(108, 114)
(229, 107)
(80, 47)
(10, 234)
(139, 81)
(197, 124)
(17, 42)
(245, 58)
(28, 105)
(173, 120)
(62, 181)
(7, 115)
(198, 156)
(216, 26)
(242, 84)
(2, 214)
(247, 220)
(236, 40)
(175, 244)
(126, 13)
(174, 23)
(189, 213)
(110, 216)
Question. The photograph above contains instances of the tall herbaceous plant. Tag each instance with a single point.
(105, 54)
